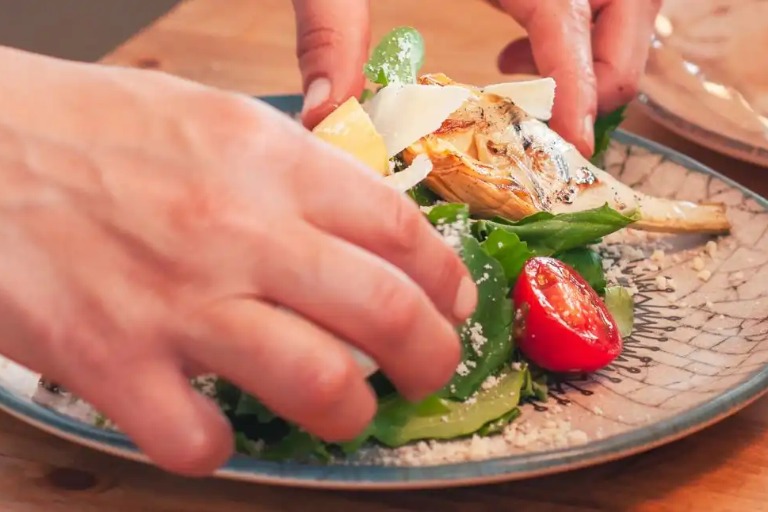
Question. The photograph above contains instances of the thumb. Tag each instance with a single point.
(332, 46)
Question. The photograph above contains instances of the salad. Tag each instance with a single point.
(528, 239)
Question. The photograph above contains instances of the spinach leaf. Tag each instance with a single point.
(422, 195)
(547, 234)
(485, 338)
(248, 405)
(447, 213)
(588, 264)
(497, 425)
(399, 422)
(509, 251)
(604, 128)
(297, 445)
(621, 306)
(397, 58)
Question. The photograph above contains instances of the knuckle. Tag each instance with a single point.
(404, 308)
(450, 356)
(314, 39)
(403, 228)
(450, 271)
(326, 384)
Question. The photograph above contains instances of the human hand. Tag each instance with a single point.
(595, 50)
(153, 229)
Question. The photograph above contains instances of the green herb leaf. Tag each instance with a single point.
(398, 423)
(485, 337)
(604, 128)
(547, 234)
(297, 445)
(621, 306)
(397, 58)
(497, 425)
(588, 264)
(366, 95)
(447, 213)
(509, 251)
(423, 196)
(248, 405)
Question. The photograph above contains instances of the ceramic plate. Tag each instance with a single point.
(707, 75)
(697, 355)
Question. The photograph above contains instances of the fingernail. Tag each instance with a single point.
(466, 299)
(318, 93)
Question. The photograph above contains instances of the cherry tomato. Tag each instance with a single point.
(561, 324)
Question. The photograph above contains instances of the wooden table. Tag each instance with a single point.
(247, 45)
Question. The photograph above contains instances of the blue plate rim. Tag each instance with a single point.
(368, 477)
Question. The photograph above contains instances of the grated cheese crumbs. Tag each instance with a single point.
(452, 232)
(661, 282)
(704, 275)
(462, 369)
(711, 248)
(476, 338)
(658, 256)
(698, 263)
(737, 278)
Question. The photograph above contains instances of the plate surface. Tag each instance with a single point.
(707, 75)
(698, 354)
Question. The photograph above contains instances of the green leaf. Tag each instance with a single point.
(447, 213)
(604, 128)
(248, 405)
(509, 251)
(547, 234)
(588, 264)
(423, 196)
(397, 58)
(245, 446)
(485, 337)
(366, 95)
(397, 423)
(297, 445)
(621, 306)
(497, 425)
(227, 395)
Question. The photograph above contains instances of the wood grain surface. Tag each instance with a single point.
(248, 46)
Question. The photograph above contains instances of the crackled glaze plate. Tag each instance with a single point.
(707, 75)
(697, 355)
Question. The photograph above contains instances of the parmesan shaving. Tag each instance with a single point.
(403, 114)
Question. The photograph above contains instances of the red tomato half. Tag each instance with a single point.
(561, 324)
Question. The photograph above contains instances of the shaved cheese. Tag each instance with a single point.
(536, 97)
(411, 175)
(403, 114)
(349, 128)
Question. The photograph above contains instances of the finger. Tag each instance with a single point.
(559, 32)
(300, 372)
(390, 225)
(368, 302)
(621, 40)
(155, 405)
(517, 58)
(332, 46)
